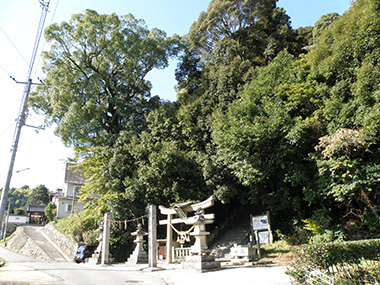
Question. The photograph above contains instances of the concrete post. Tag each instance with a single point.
(152, 236)
(258, 244)
(106, 240)
(269, 229)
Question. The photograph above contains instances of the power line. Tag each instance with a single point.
(6, 129)
(9, 39)
(18, 51)
(5, 71)
(22, 115)
(43, 47)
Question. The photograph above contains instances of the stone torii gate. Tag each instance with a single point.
(182, 210)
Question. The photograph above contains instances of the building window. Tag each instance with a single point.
(68, 207)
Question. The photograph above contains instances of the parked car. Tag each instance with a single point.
(82, 253)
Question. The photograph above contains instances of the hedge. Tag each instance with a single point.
(336, 258)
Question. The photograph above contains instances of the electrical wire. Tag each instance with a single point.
(22, 115)
(4, 195)
(9, 39)
(6, 129)
(15, 47)
(43, 46)
(5, 71)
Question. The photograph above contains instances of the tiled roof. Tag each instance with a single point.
(35, 208)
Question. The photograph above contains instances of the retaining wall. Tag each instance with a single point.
(68, 246)
(21, 243)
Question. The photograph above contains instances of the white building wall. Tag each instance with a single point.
(64, 207)
(68, 190)
(18, 219)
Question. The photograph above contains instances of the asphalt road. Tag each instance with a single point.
(25, 270)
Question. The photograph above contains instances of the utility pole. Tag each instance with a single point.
(6, 222)
(23, 112)
(73, 202)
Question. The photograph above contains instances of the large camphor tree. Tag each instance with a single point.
(95, 90)
(95, 82)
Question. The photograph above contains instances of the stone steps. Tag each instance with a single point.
(238, 233)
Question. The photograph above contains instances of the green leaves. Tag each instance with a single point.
(254, 121)
(39, 196)
(50, 211)
(349, 167)
(262, 137)
(96, 68)
(343, 260)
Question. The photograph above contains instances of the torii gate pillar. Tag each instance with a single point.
(169, 240)
(152, 237)
(106, 239)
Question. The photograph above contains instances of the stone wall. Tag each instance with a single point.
(11, 228)
(68, 246)
(23, 244)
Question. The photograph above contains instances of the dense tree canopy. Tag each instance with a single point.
(39, 196)
(18, 197)
(256, 28)
(267, 116)
(95, 85)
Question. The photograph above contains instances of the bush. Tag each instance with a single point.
(327, 236)
(337, 258)
(19, 211)
(51, 211)
(368, 272)
(81, 227)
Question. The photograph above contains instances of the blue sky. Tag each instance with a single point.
(43, 154)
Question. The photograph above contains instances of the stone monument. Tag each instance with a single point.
(139, 255)
(96, 257)
(106, 240)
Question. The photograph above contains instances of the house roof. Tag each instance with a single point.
(15, 215)
(72, 175)
(35, 208)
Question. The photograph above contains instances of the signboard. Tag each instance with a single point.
(264, 237)
(260, 223)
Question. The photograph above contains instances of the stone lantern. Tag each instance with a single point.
(139, 255)
(200, 258)
(199, 232)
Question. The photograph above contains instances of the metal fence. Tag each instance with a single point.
(316, 276)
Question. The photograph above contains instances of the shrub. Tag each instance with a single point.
(327, 236)
(51, 211)
(19, 211)
(81, 227)
(368, 272)
(337, 258)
